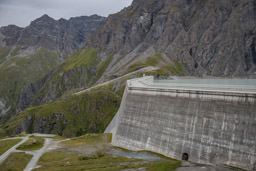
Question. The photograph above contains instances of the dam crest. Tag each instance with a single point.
(210, 121)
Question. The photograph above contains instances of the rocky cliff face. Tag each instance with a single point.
(63, 36)
(212, 37)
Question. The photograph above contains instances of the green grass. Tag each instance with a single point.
(164, 166)
(82, 57)
(62, 161)
(15, 52)
(136, 66)
(2, 133)
(98, 161)
(86, 113)
(101, 161)
(7, 144)
(33, 143)
(89, 139)
(18, 72)
(56, 161)
(3, 53)
(176, 68)
(104, 65)
(15, 162)
(154, 60)
(83, 69)
(151, 61)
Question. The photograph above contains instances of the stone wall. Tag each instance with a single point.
(211, 128)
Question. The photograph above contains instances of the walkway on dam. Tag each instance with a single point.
(240, 86)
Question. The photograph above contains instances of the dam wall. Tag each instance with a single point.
(203, 123)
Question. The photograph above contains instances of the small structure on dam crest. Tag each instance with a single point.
(200, 120)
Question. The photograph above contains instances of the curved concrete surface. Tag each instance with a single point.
(210, 125)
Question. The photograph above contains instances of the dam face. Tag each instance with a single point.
(211, 122)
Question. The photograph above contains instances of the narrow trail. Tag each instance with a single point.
(12, 138)
(146, 69)
(8, 152)
(37, 154)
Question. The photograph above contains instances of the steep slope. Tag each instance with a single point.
(180, 37)
(72, 115)
(212, 37)
(28, 54)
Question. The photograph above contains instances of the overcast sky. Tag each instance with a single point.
(22, 12)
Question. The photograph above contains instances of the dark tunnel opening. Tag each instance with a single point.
(185, 156)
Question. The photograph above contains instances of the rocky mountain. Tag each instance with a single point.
(63, 36)
(208, 37)
(28, 54)
(179, 37)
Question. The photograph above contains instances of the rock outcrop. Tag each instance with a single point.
(63, 36)
(208, 37)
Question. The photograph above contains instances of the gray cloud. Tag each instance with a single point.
(22, 12)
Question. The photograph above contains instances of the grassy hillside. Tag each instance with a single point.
(72, 116)
(20, 71)
(3, 53)
(57, 111)
(83, 69)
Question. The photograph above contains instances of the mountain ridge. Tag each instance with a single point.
(181, 38)
(65, 36)
(208, 37)
(28, 54)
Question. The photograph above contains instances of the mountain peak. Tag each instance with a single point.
(43, 19)
(46, 16)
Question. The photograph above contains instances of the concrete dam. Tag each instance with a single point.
(210, 121)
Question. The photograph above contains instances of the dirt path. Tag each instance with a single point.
(37, 154)
(8, 152)
(12, 138)
(146, 69)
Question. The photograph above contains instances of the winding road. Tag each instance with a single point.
(146, 69)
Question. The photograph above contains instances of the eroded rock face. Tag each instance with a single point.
(63, 36)
(54, 123)
(212, 37)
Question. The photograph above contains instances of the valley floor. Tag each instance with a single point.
(94, 152)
